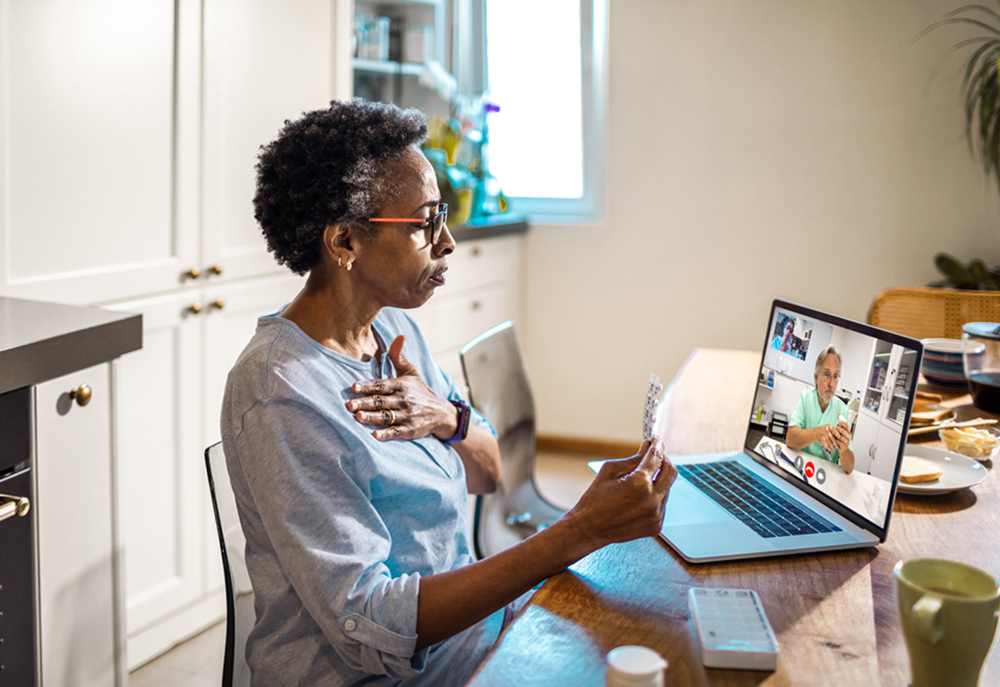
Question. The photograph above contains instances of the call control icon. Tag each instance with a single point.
(820, 476)
(810, 469)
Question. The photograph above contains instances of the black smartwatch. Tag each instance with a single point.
(464, 414)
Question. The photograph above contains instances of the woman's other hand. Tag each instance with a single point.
(403, 407)
(627, 498)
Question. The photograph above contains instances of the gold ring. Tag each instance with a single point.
(392, 417)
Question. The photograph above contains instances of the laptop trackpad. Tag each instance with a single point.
(687, 505)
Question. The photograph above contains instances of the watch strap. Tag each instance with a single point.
(464, 416)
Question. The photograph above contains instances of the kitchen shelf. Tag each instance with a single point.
(388, 67)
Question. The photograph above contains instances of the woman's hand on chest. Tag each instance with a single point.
(402, 407)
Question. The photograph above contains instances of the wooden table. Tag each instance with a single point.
(834, 613)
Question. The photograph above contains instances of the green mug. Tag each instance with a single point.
(948, 611)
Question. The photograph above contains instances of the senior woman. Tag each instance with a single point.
(350, 451)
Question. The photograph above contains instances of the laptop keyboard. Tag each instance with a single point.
(757, 504)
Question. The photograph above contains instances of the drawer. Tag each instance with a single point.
(475, 264)
(451, 322)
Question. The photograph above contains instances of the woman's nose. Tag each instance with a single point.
(446, 242)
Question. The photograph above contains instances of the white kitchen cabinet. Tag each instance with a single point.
(887, 396)
(159, 481)
(865, 436)
(88, 138)
(266, 61)
(884, 463)
(76, 548)
(875, 444)
(124, 170)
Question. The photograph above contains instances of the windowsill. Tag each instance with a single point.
(488, 227)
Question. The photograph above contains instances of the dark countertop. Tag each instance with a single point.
(41, 341)
(497, 225)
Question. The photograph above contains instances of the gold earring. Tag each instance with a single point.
(340, 263)
(349, 265)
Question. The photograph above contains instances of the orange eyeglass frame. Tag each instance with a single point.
(435, 222)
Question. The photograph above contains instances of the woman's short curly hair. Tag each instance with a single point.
(328, 167)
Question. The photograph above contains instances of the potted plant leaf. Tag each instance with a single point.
(981, 86)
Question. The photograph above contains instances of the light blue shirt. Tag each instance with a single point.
(341, 527)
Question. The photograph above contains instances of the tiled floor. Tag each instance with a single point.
(198, 661)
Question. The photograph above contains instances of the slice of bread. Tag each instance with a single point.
(916, 470)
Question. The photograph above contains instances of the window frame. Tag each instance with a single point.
(594, 72)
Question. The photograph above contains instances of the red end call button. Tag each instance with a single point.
(810, 469)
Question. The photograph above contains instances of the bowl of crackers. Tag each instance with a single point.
(981, 443)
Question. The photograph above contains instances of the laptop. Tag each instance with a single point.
(771, 499)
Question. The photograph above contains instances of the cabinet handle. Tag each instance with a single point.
(195, 308)
(215, 269)
(193, 273)
(476, 250)
(81, 395)
(476, 305)
(218, 304)
(13, 505)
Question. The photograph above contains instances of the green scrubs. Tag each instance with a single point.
(808, 415)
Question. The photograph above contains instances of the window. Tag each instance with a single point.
(545, 65)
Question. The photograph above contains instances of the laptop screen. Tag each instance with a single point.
(832, 406)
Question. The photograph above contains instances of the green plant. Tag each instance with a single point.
(981, 86)
(974, 276)
(981, 83)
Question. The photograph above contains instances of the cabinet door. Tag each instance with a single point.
(886, 450)
(160, 469)
(76, 560)
(229, 321)
(265, 61)
(865, 439)
(95, 121)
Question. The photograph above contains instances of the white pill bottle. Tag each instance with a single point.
(635, 666)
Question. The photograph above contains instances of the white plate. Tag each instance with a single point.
(959, 472)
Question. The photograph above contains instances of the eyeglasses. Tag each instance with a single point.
(435, 222)
(827, 376)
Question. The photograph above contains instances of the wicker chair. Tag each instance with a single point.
(925, 313)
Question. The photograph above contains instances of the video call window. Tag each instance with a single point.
(792, 335)
(858, 391)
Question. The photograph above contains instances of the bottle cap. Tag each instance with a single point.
(635, 666)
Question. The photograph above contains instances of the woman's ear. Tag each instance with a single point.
(338, 242)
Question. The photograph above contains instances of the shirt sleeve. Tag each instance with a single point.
(316, 508)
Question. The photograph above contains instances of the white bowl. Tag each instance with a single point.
(967, 446)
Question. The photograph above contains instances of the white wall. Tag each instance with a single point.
(793, 148)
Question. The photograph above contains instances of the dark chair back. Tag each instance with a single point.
(240, 614)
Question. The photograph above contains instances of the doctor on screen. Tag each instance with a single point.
(819, 423)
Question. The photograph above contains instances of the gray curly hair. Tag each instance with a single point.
(327, 167)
